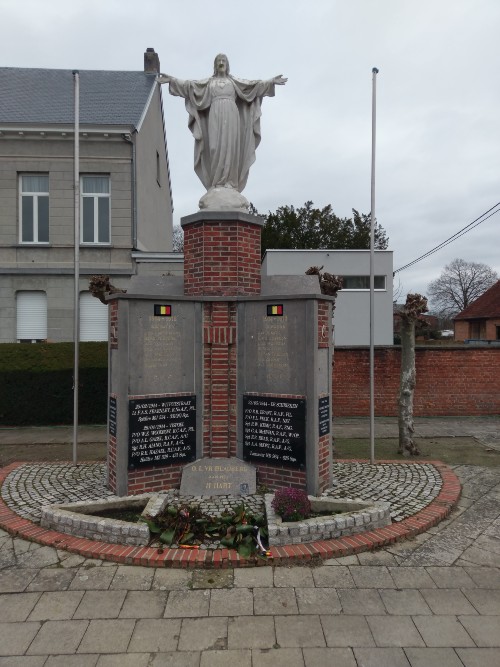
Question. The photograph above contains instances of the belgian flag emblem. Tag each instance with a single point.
(275, 310)
(162, 311)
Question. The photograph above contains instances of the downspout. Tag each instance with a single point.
(133, 179)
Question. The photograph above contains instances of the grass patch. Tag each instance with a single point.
(454, 451)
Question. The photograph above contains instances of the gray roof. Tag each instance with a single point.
(46, 96)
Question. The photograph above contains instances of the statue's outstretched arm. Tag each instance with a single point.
(164, 78)
(280, 80)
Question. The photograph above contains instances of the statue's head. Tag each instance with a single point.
(221, 64)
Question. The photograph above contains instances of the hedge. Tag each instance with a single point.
(36, 384)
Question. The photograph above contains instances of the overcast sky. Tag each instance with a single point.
(438, 101)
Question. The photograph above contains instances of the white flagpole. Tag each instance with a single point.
(372, 271)
(76, 327)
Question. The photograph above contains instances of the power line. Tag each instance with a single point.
(454, 237)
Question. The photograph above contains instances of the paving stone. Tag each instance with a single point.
(155, 635)
(16, 581)
(376, 558)
(253, 577)
(182, 604)
(348, 631)
(170, 579)
(41, 557)
(404, 601)
(202, 634)
(486, 602)
(144, 604)
(342, 560)
(232, 602)
(240, 657)
(25, 661)
(271, 601)
(55, 579)
(394, 631)
(377, 576)
(56, 606)
(71, 661)
(478, 657)
(93, 578)
(131, 660)
(100, 604)
(442, 631)
(450, 577)
(107, 636)
(129, 577)
(448, 601)
(175, 659)
(299, 631)
(484, 630)
(207, 579)
(68, 560)
(16, 637)
(428, 657)
(336, 657)
(279, 657)
(288, 577)
(361, 601)
(333, 577)
(381, 657)
(317, 601)
(481, 556)
(484, 577)
(411, 577)
(251, 632)
(17, 606)
(63, 636)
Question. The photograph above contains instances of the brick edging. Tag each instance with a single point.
(437, 510)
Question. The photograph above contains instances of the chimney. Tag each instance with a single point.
(151, 62)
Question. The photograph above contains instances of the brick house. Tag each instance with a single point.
(480, 320)
(125, 193)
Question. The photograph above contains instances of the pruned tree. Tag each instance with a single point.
(100, 287)
(410, 314)
(459, 285)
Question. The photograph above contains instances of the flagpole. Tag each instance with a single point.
(76, 312)
(372, 271)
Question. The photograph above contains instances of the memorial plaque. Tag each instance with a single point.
(274, 431)
(112, 416)
(162, 431)
(324, 415)
(218, 477)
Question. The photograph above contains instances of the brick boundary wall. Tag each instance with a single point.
(450, 381)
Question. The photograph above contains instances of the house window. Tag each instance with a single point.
(31, 317)
(95, 211)
(34, 208)
(362, 282)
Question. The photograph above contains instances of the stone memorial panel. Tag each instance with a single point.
(162, 430)
(274, 430)
(324, 415)
(218, 477)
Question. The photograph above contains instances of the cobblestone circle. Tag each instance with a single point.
(407, 487)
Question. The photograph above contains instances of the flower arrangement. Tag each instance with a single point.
(291, 504)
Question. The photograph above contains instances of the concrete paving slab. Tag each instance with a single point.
(319, 657)
(346, 631)
(56, 606)
(130, 660)
(251, 632)
(58, 637)
(426, 657)
(232, 602)
(144, 604)
(333, 577)
(293, 577)
(381, 657)
(377, 576)
(17, 606)
(405, 602)
(376, 558)
(364, 601)
(71, 661)
(41, 557)
(15, 638)
(183, 604)
(448, 601)
(484, 577)
(93, 578)
(442, 631)
(170, 580)
(450, 577)
(411, 577)
(100, 604)
(274, 601)
(299, 631)
(208, 579)
(279, 657)
(394, 631)
(484, 630)
(130, 577)
(484, 601)
(15, 581)
(175, 659)
(107, 636)
(478, 657)
(155, 635)
(253, 577)
(240, 657)
(480, 556)
(317, 601)
(203, 634)
(51, 579)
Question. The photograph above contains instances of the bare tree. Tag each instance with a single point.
(459, 285)
(178, 239)
(410, 314)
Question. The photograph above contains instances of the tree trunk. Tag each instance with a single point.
(407, 446)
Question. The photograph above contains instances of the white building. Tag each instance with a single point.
(352, 313)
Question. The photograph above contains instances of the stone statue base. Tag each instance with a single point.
(223, 199)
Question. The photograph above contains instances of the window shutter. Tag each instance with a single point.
(31, 316)
(93, 318)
